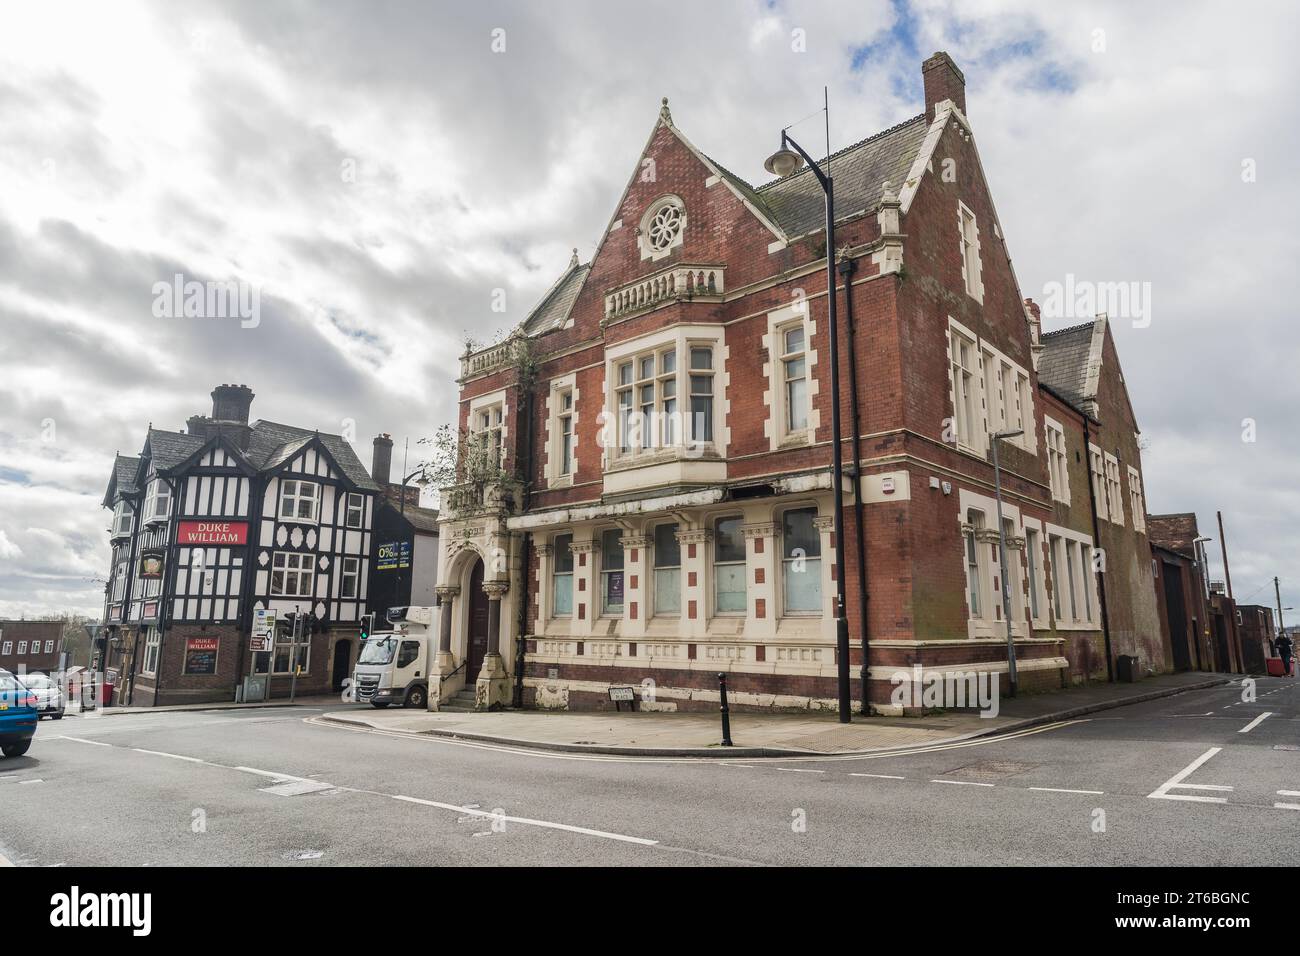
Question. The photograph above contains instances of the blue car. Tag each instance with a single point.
(18, 716)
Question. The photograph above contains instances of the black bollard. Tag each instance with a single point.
(726, 711)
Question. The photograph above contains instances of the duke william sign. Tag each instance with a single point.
(212, 532)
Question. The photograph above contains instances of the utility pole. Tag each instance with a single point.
(1223, 543)
(1277, 592)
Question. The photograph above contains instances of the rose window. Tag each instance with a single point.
(664, 226)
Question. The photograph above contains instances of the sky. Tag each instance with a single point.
(393, 178)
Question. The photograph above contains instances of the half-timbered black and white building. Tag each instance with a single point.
(221, 521)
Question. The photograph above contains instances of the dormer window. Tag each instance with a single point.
(299, 500)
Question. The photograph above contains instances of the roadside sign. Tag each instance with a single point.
(263, 630)
(621, 694)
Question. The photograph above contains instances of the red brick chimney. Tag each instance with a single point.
(943, 81)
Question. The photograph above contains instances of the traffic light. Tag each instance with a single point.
(365, 626)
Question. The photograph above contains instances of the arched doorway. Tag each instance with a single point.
(342, 663)
(476, 640)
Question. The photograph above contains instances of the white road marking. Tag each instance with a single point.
(879, 776)
(797, 770)
(297, 788)
(1162, 792)
(33, 780)
(546, 824)
(1256, 722)
(964, 783)
(159, 753)
(1287, 806)
(83, 740)
(1288, 793)
(1063, 790)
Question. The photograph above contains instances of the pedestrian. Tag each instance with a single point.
(1284, 647)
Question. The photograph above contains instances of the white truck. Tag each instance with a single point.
(394, 664)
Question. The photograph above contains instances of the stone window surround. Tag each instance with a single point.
(774, 397)
(974, 285)
(554, 409)
(1043, 620)
(487, 402)
(992, 624)
(1069, 534)
(1060, 492)
(978, 443)
(643, 245)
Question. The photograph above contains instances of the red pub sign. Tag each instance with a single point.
(212, 532)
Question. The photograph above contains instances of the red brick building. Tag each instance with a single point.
(30, 646)
(656, 504)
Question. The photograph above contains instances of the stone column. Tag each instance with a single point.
(636, 587)
(586, 600)
(825, 525)
(443, 663)
(696, 581)
(542, 588)
(492, 688)
(761, 573)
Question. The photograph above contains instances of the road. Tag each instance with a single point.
(1200, 778)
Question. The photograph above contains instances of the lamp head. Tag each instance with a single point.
(784, 161)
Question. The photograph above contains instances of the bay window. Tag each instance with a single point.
(701, 394)
(159, 503)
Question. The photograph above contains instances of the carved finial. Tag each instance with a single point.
(887, 192)
(573, 262)
(664, 113)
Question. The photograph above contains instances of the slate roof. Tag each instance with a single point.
(553, 311)
(1176, 532)
(122, 481)
(798, 205)
(171, 448)
(421, 518)
(1063, 366)
(272, 444)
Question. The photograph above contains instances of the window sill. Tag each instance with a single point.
(307, 521)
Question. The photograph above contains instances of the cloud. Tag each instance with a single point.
(379, 172)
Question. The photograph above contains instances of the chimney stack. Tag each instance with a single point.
(943, 81)
(230, 403)
(198, 425)
(382, 464)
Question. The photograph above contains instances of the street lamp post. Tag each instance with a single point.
(782, 163)
(1012, 679)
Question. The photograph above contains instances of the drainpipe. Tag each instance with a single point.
(526, 469)
(847, 268)
(1096, 537)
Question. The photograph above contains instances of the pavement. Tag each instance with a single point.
(1209, 775)
(761, 735)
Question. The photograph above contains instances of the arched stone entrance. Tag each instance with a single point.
(476, 631)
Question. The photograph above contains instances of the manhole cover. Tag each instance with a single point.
(305, 855)
(991, 769)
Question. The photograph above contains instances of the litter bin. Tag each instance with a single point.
(1127, 665)
(107, 697)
